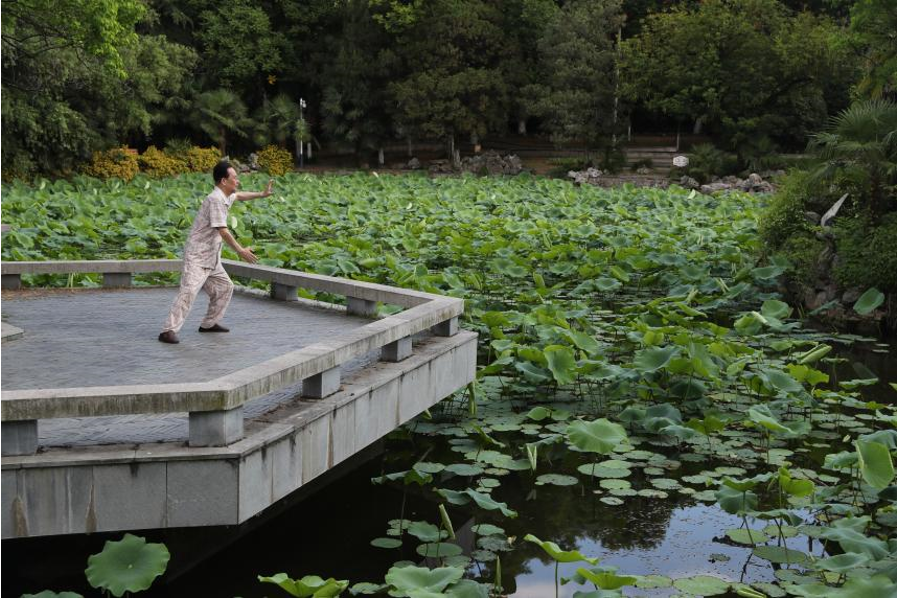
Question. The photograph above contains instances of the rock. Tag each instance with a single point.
(851, 295)
(812, 217)
(413, 164)
(591, 176)
(689, 183)
(642, 171)
(714, 187)
(254, 161)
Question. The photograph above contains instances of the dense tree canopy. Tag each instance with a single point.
(80, 76)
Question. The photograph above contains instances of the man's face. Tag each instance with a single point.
(231, 184)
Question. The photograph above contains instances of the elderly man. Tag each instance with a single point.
(202, 255)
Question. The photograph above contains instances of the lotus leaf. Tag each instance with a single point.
(780, 555)
(747, 536)
(307, 586)
(386, 543)
(127, 566)
(599, 436)
(559, 555)
(560, 480)
(413, 581)
(702, 586)
(869, 301)
(876, 464)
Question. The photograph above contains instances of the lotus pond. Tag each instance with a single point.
(649, 418)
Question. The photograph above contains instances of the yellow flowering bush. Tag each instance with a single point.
(117, 162)
(200, 160)
(156, 163)
(275, 160)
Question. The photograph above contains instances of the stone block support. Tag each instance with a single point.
(116, 279)
(19, 437)
(397, 351)
(12, 282)
(216, 428)
(286, 293)
(323, 384)
(447, 328)
(361, 307)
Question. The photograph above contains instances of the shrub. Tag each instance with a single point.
(157, 163)
(641, 163)
(117, 162)
(275, 160)
(706, 161)
(802, 251)
(201, 160)
(866, 252)
(178, 146)
(784, 216)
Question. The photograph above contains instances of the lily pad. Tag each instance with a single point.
(386, 543)
(559, 480)
(780, 555)
(703, 586)
(438, 550)
(614, 483)
(464, 469)
(611, 501)
(486, 530)
(745, 536)
(127, 566)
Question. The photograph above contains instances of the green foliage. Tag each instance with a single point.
(873, 22)
(866, 252)
(861, 140)
(706, 162)
(239, 44)
(218, 113)
(127, 566)
(157, 163)
(784, 218)
(121, 163)
(307, 586)
(575, 96)
(743, 69)
(275, 161)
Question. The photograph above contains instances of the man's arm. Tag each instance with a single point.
(246, 254)
(252, 195)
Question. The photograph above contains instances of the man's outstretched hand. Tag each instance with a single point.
(247, 255)
(268, 191)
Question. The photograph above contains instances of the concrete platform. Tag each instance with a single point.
(105, 428)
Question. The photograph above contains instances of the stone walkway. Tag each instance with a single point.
(95, 337)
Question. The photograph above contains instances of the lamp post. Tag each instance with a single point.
(302, 126)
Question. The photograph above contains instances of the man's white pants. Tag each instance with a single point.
(214, 281)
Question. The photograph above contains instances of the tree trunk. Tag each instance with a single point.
(522, 126)
(222, 138)
(408, 140)
(380, 156)
(298, 143)
(697, 129)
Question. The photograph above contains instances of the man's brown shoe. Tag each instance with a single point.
(215, 328)
(168, 337)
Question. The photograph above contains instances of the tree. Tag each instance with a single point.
(78, 78)
(450, 82)
(744, 69)
(576, 98)
(873, 22)
(354, 101)
(240, 49)
(218, 113)
(861, 139)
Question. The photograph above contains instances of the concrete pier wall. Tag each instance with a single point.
(164, 485)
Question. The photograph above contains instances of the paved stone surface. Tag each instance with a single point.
(103, 337)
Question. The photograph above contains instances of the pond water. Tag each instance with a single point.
(328, 533)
